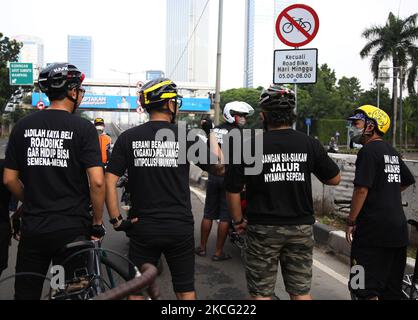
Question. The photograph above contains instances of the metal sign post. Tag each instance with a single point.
(296, 26)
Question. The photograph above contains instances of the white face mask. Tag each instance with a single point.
(100, 129)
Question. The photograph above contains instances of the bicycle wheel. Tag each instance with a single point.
(113, 269)
(409, 289)
(287, 27)
(306, 25)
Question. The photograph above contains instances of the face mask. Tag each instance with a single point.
(241, 122)
(100, 129)
(356, 135)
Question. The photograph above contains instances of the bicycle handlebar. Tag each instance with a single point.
(147, 278)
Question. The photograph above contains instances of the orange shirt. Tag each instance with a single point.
(104, 141)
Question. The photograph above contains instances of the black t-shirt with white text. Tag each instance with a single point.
(52, 150)
(381, 222)
(282, 193)
(158, 181)
(222, 130)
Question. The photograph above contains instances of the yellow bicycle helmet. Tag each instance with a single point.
(154, 93)
(369, 112)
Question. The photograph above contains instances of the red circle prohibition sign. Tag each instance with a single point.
(40, 105)
(295, 24)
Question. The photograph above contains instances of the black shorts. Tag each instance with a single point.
(178, 250)
(383, 272)
(216, 207)
(5, 236)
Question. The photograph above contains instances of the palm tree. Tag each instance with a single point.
(408, 113)
(394, 41)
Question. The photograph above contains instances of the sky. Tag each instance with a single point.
(130, 35)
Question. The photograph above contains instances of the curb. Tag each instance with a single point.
(335, 241)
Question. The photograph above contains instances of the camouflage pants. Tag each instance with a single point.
(266, 246)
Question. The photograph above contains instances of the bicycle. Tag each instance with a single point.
(239, 240)
(145, 279)
(410, 281)
(289, 27)
(123, 184)
(85, 278)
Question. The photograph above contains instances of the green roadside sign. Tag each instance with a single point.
(21, 74)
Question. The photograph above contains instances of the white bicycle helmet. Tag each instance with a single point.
(236, 107)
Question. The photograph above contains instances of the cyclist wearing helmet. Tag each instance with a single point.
(377, 227)
(53, 166)
(279, 200)
(104, 140)
(160, 220)
(216, 208)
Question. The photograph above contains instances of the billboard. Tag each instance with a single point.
(103, 102)
(195, 105)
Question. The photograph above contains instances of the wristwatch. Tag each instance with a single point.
(116, 220)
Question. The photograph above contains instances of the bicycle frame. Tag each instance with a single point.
(88, 282)
(410, 282)
(146, 278)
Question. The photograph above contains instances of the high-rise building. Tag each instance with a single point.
(249, 44)
(259, 42)
(31, 52)
(187, 61)
(80, 53)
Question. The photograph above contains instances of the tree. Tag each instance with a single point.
(320, 100)
(9, 51)
(394, 41)
(408, 114)
(350, 92)
(370, 97)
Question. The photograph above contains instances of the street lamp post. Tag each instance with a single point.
(385, 76)
(129, 74)
(218, 65)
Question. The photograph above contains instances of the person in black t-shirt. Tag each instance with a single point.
(160, 220)
(279, 200)
(377, 226)
(53, 166)
(216, 208)
(5, 227)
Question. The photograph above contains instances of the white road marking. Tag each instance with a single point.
(330, 272)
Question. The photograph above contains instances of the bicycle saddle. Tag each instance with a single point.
(84, 244)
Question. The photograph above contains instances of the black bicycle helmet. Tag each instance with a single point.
(156, 91)
(277, 98)
(58, 78)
